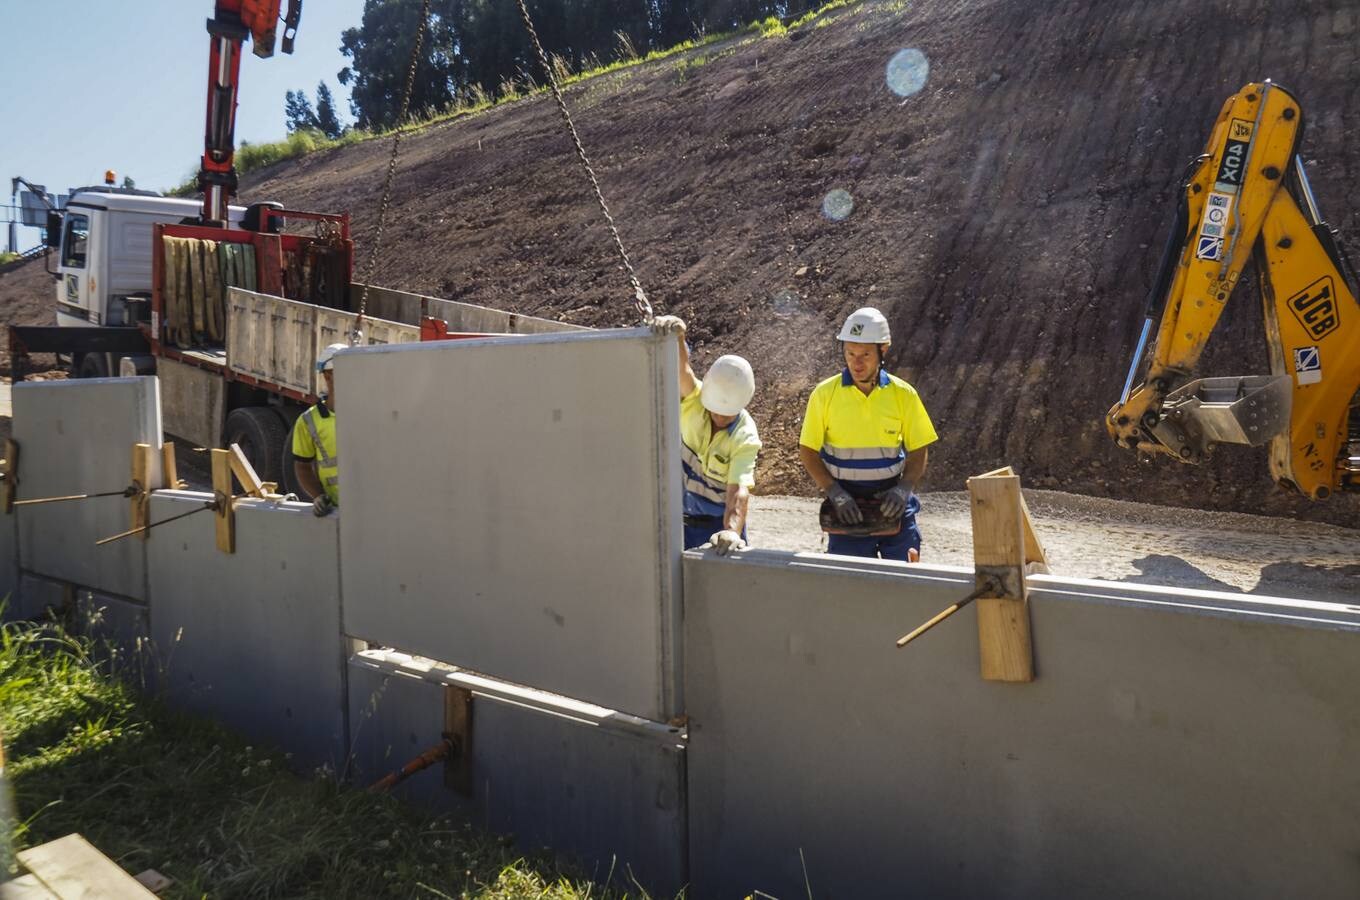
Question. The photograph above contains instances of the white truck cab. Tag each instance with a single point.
(104, 258)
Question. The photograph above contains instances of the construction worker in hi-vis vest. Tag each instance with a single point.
(865, 435)
(316, 462)
(718, 446)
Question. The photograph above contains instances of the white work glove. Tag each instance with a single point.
(847, 510)
(668, 325)
(322, 505)
(726, 541)
(893, 501)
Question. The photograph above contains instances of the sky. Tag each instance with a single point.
(90, 85)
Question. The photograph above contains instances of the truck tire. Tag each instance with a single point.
(290, 483)
(92, 365)
(260, 432)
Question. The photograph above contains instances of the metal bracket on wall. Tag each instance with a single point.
(458, 735)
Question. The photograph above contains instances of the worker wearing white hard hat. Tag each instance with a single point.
(864, 441)
(719, 444)
(315, 457)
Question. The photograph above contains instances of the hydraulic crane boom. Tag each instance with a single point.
(1249, 197)
(233, 21)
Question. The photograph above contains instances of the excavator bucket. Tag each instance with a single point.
(1248, 410)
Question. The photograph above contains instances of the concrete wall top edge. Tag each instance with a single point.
(76, 383)
(395, 662)
(612, 334)
(1311, 613)
(248, 503)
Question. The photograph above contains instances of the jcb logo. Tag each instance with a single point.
(1315, 308)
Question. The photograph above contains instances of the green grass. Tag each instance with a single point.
(7, 257)
(154, 789)
(251, 157)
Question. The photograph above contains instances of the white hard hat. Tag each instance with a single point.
(325, 360)
(865, 326)
(728, 386)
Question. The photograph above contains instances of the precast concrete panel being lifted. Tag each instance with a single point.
(512, 506)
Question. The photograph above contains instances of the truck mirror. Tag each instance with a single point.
(53, 237)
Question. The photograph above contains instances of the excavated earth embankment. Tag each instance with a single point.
(1007, 217)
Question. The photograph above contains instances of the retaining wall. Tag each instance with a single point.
(511, 508)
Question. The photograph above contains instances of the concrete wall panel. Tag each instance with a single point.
(76, 437)
(512, 505)
(602, 788)
(252, 638)
(1175, 744)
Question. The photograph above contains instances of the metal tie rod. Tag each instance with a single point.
(207, 505)
(130, 491)
(990, 585)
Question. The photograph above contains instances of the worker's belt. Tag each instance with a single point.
(703, 521)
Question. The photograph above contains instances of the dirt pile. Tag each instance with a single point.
(1007, 217)
(26, 298)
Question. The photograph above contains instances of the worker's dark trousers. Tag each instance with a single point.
(894, 546)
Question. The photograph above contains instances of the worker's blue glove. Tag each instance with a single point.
(847, 510)
(893, 502)
(322, 505)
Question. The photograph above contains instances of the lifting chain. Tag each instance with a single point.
(640, 302)
(356, 336)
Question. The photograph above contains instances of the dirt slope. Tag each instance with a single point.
(1007, 217)
(27, 297)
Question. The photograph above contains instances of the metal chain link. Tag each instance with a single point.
(640, 302)
(356, 335)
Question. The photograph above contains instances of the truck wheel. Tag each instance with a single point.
(260, 433)
(92, 366)
(290, 483)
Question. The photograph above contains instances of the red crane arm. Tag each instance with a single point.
(233, 21)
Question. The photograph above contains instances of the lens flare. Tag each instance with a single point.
(838, 205)
(907, 72)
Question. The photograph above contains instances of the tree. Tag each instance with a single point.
(326, 119)
(380, 49)
(297, 111)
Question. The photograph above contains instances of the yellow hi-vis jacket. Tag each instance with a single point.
(314, 439)
(864, 439)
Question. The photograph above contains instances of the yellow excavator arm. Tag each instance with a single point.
(1247, 196)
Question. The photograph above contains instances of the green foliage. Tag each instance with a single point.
(7, 257)
(326, 119)
(298, 113)
(483, 43)
(223, 818)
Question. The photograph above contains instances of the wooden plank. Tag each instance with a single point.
(225, 515)
(169, 470)
(11, 473)
(74, 870)
(140, 502)
(26, 887)
(458, 730)
(245, 472)
(1004, 645)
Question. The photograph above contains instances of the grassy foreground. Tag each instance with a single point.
(154, 789)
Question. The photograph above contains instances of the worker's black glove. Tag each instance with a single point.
(893, 502)
(322, 506)
(847, 510)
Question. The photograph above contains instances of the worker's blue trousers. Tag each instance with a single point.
(893, 546)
